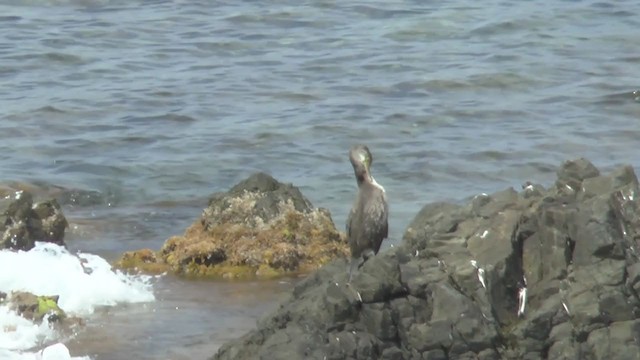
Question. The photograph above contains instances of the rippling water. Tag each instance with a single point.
(153, 105)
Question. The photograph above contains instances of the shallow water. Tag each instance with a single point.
(189, 320)
(153, 105)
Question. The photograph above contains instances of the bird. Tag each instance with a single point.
(367, 224)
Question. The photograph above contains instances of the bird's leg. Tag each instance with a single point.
(366, 255)
(354, 265)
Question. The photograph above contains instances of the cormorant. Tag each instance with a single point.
(367, 223)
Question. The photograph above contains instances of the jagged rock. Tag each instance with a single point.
(260, 227)
(23, 223)
(453, 288)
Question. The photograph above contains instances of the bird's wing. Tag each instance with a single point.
(377, 213)
(349, 220)
(385, 231)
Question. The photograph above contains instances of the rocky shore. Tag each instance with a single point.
(23, 222)
(540, 273)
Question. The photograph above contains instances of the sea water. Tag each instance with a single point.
(149, 106)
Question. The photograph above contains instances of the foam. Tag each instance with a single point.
(83, 282)
(19, 333)
(57, 351)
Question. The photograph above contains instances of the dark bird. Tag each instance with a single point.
(367, 223)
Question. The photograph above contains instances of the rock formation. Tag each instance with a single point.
(22, 222)
(260, 227)
(535, 274)
(41, 308)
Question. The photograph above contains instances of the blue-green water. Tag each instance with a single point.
(156, 104)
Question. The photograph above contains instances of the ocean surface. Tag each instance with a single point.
(133, 112)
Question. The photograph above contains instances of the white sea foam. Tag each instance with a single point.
(19, 333)
(83, 282)
(57, 351)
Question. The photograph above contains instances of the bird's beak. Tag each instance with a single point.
(363, 160)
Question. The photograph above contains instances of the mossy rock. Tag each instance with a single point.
(35, 307)
(144, 260)
(261, 228)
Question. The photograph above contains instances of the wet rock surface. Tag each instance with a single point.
(36, 308)
(535, 274)
(259, 228)
(23, 222)
(40, 309)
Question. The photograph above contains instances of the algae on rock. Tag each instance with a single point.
(259, 228)
(35, 307)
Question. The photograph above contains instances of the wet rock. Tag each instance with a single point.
(34, 307)
(573, 172)
(71, 197)
(260, 227)
(541, 274)
(23, 222)
(145, 260)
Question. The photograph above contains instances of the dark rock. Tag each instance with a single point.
(23, 222)
(617, 341)
(573, 172)
(451, 290)
(377, 320)
(392, 353)
(437, 218)
(52, 220)
(495, 203)
(530, 190)
(437, 354)
(268, 196)
(380, 279)
(488, 354)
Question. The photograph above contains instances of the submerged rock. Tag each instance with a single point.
(537, 274)
(260, 227)
(22, 222)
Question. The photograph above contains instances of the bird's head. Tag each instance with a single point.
(361, 160)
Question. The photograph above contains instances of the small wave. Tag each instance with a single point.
(292, 96)
(63, 58)
(177, 118)
(82, 281)
(10, 18)
(49, 109)
(379, 13)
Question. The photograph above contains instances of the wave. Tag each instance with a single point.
(83, 282)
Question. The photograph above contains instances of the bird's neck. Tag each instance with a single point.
(362, 176)
(365, 177)
(375, 184)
